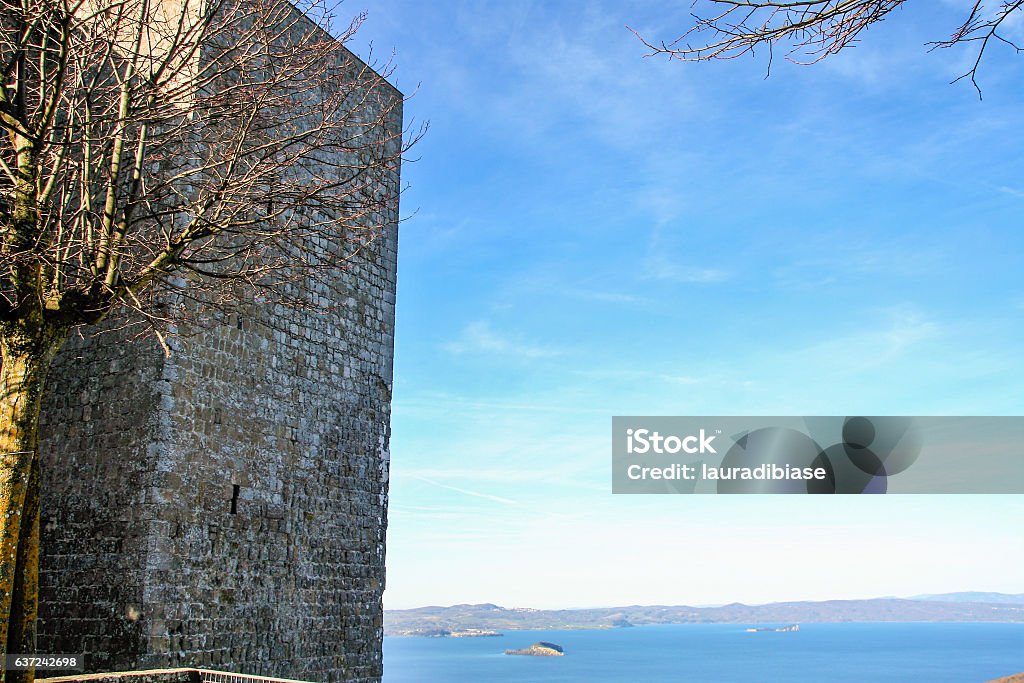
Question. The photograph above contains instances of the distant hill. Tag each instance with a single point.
(975, 596)
(439, 621)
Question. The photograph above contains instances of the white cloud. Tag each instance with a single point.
(662, 269)
(1012, 191)
(591, 76)
(479, 337)
(610, 297)
(681, 379)
(467, 492)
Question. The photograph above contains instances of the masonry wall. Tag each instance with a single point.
(224, 506)
(100, 429)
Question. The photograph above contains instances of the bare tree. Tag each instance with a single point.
(159, 152)
(811, 30)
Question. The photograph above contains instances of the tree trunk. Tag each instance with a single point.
(21, 637)
(26, 359)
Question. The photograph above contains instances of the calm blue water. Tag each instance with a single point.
(721, 653)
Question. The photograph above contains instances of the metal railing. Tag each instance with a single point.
(209, 676)
(192, 675)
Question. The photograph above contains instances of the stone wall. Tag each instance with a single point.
(224, 506)
(100, 430)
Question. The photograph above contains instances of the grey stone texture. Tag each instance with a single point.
(224, 506)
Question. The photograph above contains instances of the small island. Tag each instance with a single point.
(435, 632)
(781, 629)
(540, 649)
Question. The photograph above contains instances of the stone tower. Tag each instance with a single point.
(224, 506)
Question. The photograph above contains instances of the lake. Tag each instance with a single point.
(721, 653)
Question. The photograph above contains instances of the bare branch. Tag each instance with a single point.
(811, 30)
(237, 140)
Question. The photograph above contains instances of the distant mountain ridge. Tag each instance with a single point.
(441, 621)
(975, 596)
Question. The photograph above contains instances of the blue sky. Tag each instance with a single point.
(591, 233)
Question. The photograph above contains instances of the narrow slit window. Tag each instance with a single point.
(234, 498)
